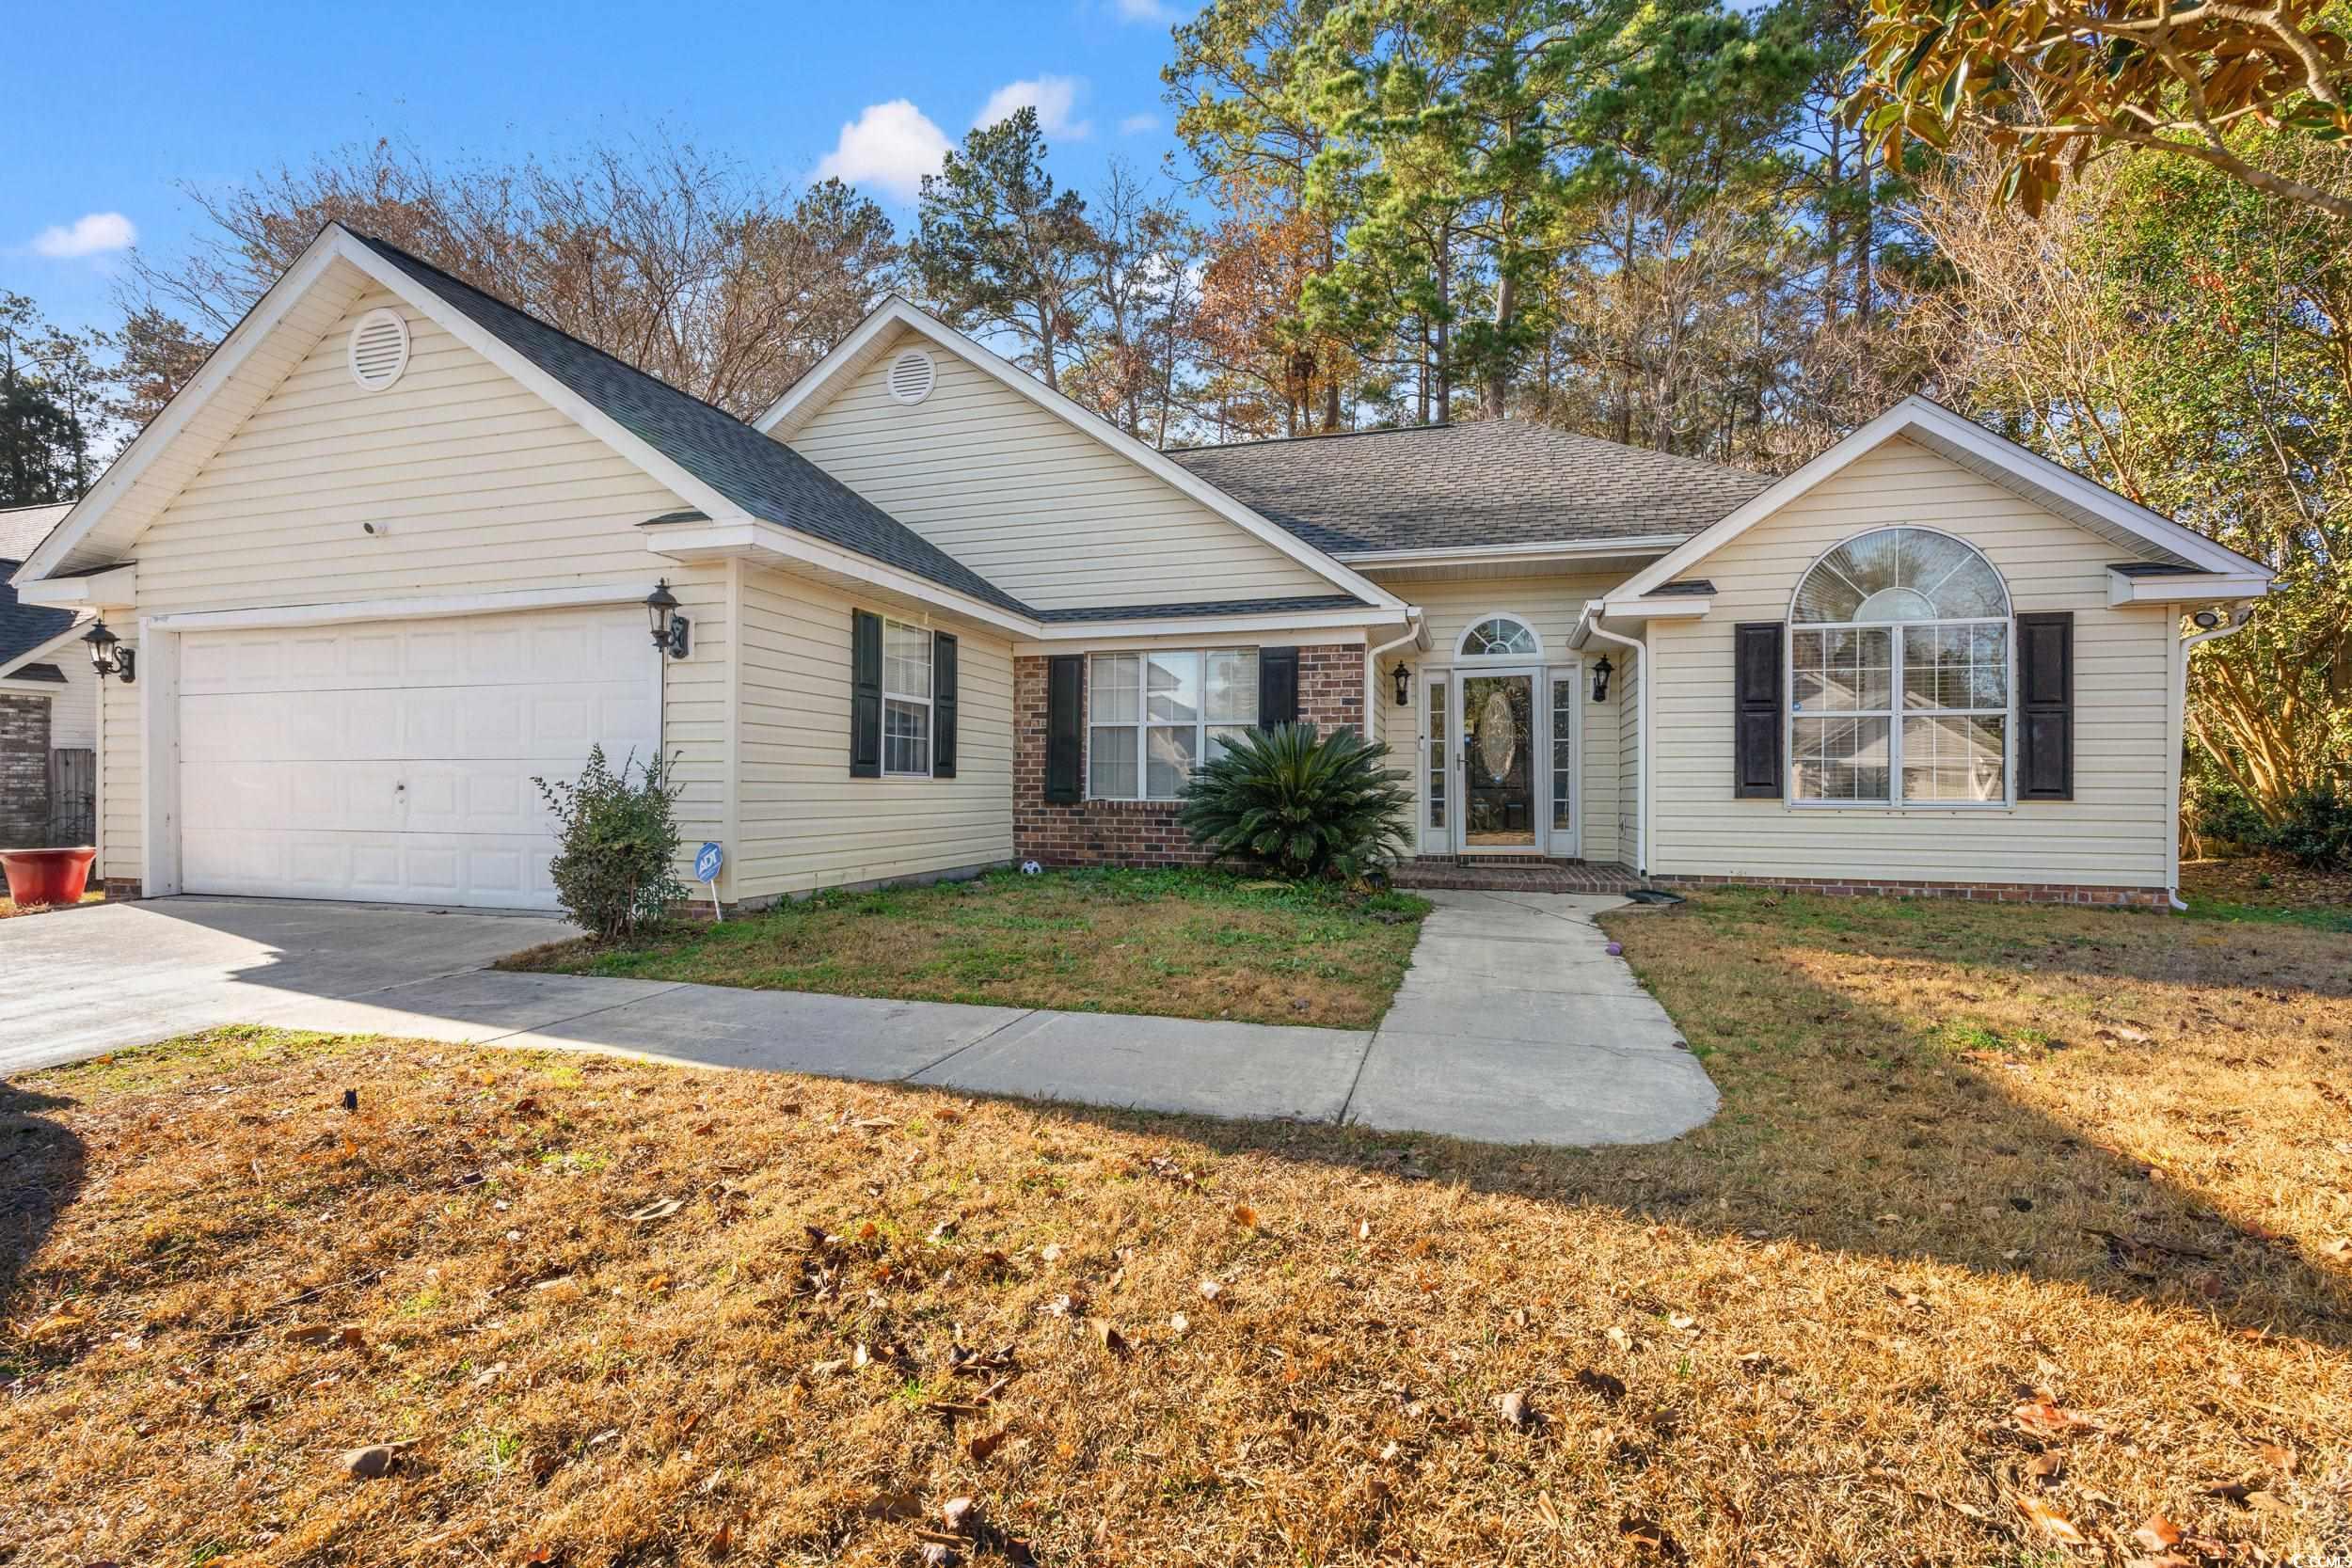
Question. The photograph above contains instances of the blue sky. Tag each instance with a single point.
(112, 107)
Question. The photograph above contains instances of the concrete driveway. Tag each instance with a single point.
(1513, 1025)
(76, 983)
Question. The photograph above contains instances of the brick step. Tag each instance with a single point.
(1482, 874)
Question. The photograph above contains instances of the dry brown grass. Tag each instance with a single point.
(2266, 881)
(9, 909)
(1179, 943)
(1823, 1329)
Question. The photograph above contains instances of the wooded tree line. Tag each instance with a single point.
(1733, 235)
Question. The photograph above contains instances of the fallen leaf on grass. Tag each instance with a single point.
(68, 1320)
(1211, 1290)
(1512, 1407)
(1108, 1333)
(2053, 1523)
(901, 1504)
(2043, 1417)
(375, 1461)
(661, 1209)
(1179, 1323)
(987, 1443)
(2281, 1458)
(2157, 1533)
(832, 1367)
(1648, 1534)
(955, 1514)
(1245, 1216)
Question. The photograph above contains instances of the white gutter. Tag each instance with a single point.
(2181, 648)
(1592, 627)
(1542, 550)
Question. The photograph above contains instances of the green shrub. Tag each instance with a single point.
(615, 863)
(2317, 831)
(1308, 806)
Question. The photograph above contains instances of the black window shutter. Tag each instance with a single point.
(2045, 705)
(865, 695)
(943, 706)
(1065, 693)
(1757, 721)
(1278, 686)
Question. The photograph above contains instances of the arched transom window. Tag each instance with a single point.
(1898, 674)
(1498, 636)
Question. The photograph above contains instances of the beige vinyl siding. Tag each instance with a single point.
(805, 822)
(73, 707)
(2113, 834)
(1039, 508)
(1550, 605)
(478, 485)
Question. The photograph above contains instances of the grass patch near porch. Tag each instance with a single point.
(1179, 944)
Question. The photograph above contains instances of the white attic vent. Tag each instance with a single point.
(912, 376)
(380, 349)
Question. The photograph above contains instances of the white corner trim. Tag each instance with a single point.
(2183, 588)
(1917, 415)
(784, 418)
(120, 586)
(392, 610)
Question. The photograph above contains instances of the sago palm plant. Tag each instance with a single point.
(1309, 806)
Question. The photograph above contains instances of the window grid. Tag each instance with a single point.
(1153, 718)
(1949, 682)
(906, 700)
(1564, 686)
(1435, 762)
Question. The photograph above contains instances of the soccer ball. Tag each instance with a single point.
(1030, 869)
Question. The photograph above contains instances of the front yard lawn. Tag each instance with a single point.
(1183, 943)
(2269, 888)
(2021, 1239)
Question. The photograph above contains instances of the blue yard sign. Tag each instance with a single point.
(707, 863)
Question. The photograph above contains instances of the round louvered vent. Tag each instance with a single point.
(380, 349)
(911, 376)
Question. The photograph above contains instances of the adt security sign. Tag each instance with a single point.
(707, 863)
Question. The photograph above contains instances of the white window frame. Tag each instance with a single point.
(1531, 656)
(1896, 712)
(1143, 723)
(928, 701)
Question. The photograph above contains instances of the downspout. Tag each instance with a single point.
(2183, 647)
(1640, 779)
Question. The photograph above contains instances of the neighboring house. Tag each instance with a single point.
(385, 560)
(48, 703)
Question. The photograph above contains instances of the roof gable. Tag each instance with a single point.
(881, 333)
(2056, 490)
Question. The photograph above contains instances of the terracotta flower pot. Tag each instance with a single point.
(46, 875)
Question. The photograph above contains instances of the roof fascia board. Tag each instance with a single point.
(54, 648)
(118, 586)
(755, 537)
(1916, 414)
(817, 388)
(2184, 588)
(15, 688)
(1670, 606)
(219, 367)
(1477, 555)
(1181, 625)
(343, 612)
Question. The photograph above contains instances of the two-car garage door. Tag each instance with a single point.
(393, 760)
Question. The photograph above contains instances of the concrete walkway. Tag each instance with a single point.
(1513, 1024)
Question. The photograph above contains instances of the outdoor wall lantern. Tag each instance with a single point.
(107, 656)
(1404, 675)
(1601, 673)
(670, 628)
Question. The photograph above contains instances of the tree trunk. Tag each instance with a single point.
(1498, 391)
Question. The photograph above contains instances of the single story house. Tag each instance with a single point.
(48, 703)
(388, 557)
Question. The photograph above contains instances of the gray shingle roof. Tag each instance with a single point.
(25, 627)
(766, 479)
(1203, 607)
(1498, 482)
(23, 528)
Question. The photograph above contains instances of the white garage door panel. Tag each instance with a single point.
(393, 761)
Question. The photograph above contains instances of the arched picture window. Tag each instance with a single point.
(1500, 636)
(1898, 674)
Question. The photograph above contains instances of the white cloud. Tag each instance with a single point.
(90, 234)
(1137, 125)
(1052, 97)
(1142, 10)
(890, 145)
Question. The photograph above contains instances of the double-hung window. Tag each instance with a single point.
(1898, 674)
(906, 700)
(1152, 718)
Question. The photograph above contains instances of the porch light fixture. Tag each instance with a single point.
(1601, 673)
(107, 656)
(1404, 677)
(670, 628)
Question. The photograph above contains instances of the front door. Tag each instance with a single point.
(1499, 763)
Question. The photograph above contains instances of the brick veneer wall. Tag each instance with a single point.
(1990, 893)
(1143, 832)
(24, 772)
